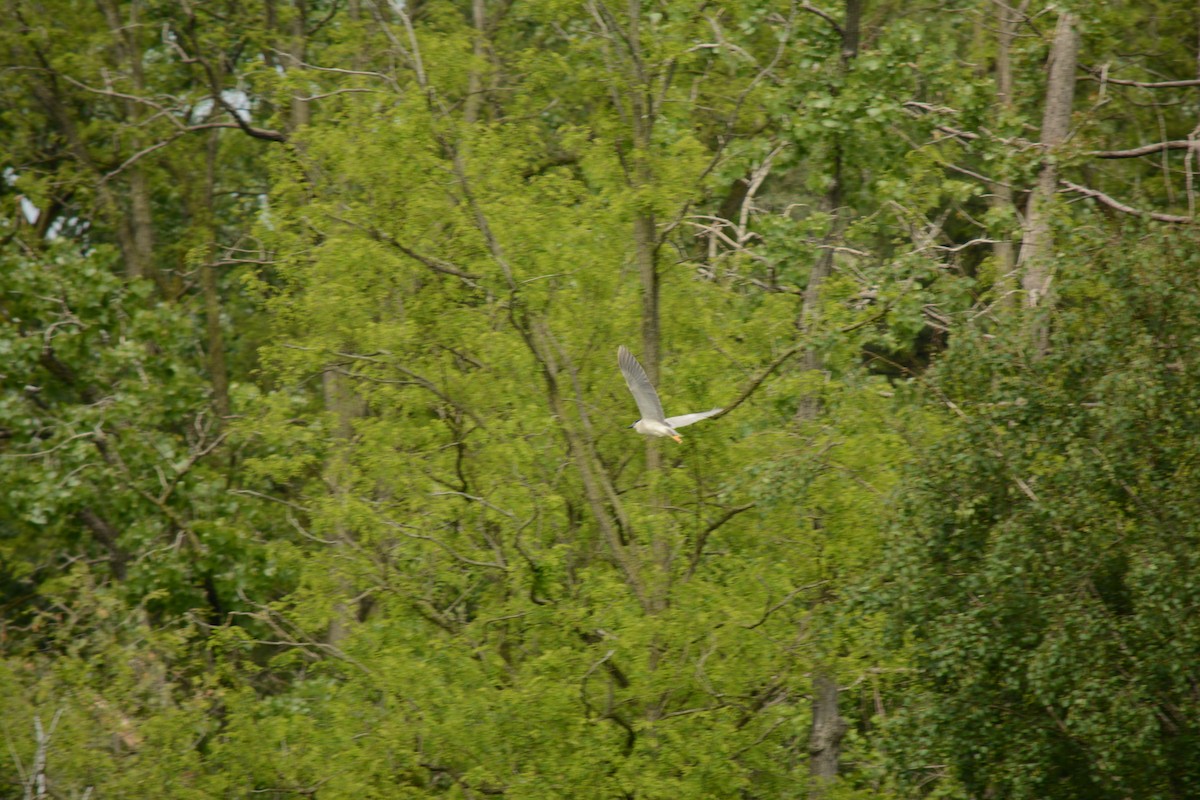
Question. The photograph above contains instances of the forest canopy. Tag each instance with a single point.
(316, 475)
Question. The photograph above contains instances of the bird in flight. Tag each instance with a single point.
(652, 423)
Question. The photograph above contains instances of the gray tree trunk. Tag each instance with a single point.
(828, 727)
(1035, 259)
(474, 99)
(138, 248)
(810, 310)
(217, 371)
(301, 111)
(347, 406)
(1007, 19)
(825, 737)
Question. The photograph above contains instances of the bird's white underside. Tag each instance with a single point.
(649, 427)
(653, 421)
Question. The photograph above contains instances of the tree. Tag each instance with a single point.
(1044, 541)
(323, 487)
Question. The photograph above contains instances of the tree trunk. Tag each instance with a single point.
(850, 31)
(141, 220)
(107, 535)
(217, 371)
(474, 99)
(139, 250)
(645, 240)
(301, 112)
(346, 406)
(828, 728)
(645, 232)
(1007, 19)
(1034, 261)
(810, 311)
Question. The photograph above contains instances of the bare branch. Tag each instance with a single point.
(183, 470)
(1093, 75)
(832, 22)
(702, 539)
(296, 637)
(1025, 488)
(139, 155)
(916, 108)
(216, 92)
(481, 222)
(714, 231)
(1119, 206)
(336, 70)
(725, 138)
(787, 599)
(1144, 150)
(434, 263)
(757, 176)
(774, 365)
(418, 379)
(404, 531)
(35, 786)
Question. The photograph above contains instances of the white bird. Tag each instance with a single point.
(652, 423)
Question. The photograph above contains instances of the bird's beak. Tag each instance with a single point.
(677, 438)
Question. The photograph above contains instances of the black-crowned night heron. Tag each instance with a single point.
(652, 423)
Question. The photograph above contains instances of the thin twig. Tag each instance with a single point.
(787, 599)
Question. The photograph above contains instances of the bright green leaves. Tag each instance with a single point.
(423, 555)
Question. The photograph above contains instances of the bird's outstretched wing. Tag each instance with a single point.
(688, 419)
(639, 385)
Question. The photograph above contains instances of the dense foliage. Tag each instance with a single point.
(1046, 556)
(316, 475)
